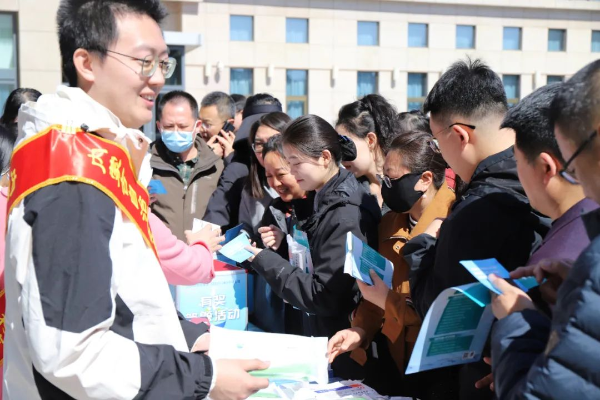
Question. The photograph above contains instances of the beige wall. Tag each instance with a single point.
(332, 42)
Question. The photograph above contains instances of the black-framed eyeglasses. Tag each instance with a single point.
(434, 144)
(570, 176)
(150, 64)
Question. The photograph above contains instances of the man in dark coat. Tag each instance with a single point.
(224, 204)
(492, 218)
(534, 358)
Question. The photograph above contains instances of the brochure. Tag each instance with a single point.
(360, 259)
(458, 322)
(291, 357)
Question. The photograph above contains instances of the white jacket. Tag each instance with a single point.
(89, 314)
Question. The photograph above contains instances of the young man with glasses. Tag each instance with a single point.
(183, 162)
(532, 356)
(89, 314)
(492, 218)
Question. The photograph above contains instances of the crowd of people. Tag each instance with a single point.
(90, 254)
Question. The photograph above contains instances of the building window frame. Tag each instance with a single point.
(411, 99)
(289, 98)
(414, 25)
(554, 79)
(563, 42)
(231, 19)
(376, 83)
(10, 76)
(365, 24)
(595, 43)
(251, 92)
(473, 36)
(288, 38)
(520, 45)
(512, 101)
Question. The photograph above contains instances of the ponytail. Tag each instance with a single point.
(311, 135)
(372, 113)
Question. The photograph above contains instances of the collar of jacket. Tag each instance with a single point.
(396, 226)
(498, 172)
(161, 156)
(341, 190)
(591, 221)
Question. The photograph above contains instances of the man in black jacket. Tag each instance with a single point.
(224, 204)
(493, 217)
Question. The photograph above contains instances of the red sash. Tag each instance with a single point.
(67, 154)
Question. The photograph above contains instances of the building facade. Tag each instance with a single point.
(317, 55)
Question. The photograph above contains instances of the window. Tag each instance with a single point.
(417, 91)
(367, 83)
(297, 92)
(368, 33)
(465, 37)
(555, 78)
(512, 88)
(596, 41)
(296, 30)
(8, 57)
(512, 38)
(241, 81)
(241, 28)
(557, 39)
(417, 35)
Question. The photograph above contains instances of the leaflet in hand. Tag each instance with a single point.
(458, 322)
(199, 224)
(360, 259)
(291, 357)
(299, 251)
(234, 247)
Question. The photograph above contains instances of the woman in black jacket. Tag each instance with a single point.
(327, 296)
(270, 312)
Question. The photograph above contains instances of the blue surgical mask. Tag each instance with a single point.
(178, 141)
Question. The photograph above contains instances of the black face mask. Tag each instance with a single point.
(402, 195)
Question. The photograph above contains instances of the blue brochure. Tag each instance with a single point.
(458, 322)
(230, 234)
(156, 187)
(235, 250)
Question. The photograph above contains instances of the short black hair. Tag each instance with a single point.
(576, 107)
(177, 96)
(530, 119)
(262, 99)
(92, 25)
(240, 102)
(469, 89)
(14, 101)
(224, 103)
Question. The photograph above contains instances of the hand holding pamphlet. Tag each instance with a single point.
(360, 259)
(296, 358)
(458, 322)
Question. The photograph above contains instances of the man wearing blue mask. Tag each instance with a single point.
(183, 162)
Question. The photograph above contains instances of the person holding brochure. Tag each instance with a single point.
(89, 314)
(492, 218)
(416, 191)
(272, 314)
(532, 356)
(327, 296)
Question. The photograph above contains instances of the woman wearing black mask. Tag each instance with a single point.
(414, 188)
